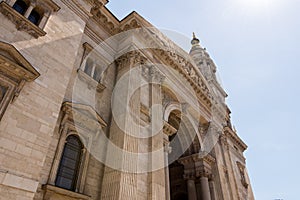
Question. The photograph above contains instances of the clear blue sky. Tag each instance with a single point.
(255, 44)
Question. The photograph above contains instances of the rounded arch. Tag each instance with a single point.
(171, 107)
(71, 158)
(189, 124)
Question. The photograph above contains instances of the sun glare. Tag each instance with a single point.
(259, 5)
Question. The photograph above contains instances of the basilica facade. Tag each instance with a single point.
(93, 107)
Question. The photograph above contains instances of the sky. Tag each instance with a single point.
(255, 45)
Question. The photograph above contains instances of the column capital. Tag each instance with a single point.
(203, 165)
(152, 74)
(186, 161)
(130, 59)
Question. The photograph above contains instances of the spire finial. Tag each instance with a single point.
(195, 40)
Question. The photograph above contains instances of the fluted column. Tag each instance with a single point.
(167, 150)
(123, 155)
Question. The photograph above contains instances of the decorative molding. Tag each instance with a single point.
(21, 22)
(168, 129)
(15, 70)
(14, 64)
(78, 9)
(241, 168)
(84, 115)
(102, 19)
(130, 59)
(230, 134)
(223, 141)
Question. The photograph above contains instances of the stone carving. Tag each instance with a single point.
(130, 59)
(98, 13)
(21, 22)
(150, 73)
(242, 173)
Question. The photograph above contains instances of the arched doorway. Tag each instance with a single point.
(183, 143)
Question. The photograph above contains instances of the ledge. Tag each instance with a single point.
(230, 134)
(51, 190)
(21, 22)
(92, 84)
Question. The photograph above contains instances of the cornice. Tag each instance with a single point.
(78, 9)
(82, 115)
(230, 134)
(15, 65)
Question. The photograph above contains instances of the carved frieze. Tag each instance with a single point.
(21, 22)
(241, 168)
(130, 59)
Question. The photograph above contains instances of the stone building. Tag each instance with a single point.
(92, 107)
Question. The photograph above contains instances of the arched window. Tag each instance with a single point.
(20, 6)
(34, 17)
(68, 170)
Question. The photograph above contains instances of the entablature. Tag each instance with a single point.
(230, 134)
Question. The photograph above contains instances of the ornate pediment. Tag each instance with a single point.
(15, 70)
(82, 116)
(15, 65)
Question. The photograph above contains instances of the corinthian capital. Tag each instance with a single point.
(131, 59)
(152, 74)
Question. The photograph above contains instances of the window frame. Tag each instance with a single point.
(89, 79)
(67, 128)
(44, 8)
(78, 163)
(15, 71)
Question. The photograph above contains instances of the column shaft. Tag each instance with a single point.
(212, 190)
(167, 178)
(191, 189)
(205, 188)
(28, 11)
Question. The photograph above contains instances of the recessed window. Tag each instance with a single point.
(15, 71)
(92, 69)
(30, 16)
(34, 17)
(20, 6)
(68, 170)
(89, 67)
